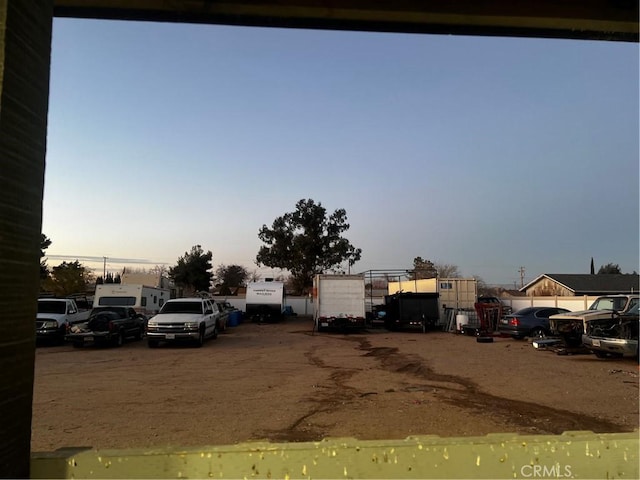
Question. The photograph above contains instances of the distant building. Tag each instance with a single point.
(569, 285)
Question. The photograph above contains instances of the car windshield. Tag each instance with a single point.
(182, 307)
(634, 310)
(51, 306)
(526, 311)
(609, 303)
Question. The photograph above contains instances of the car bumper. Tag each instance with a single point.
(46, 333)
(173, 336)
(341, 323)
(512, 330)
(625, 347)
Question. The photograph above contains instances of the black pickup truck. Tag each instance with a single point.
(108, 326)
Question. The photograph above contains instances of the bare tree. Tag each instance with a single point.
(447, 270)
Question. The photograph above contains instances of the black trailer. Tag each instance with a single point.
(410, 310)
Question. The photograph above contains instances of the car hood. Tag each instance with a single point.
(177, 317)
(50, 316)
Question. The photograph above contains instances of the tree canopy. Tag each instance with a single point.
(68, 278)
(423, 269)
(45, 242)
(192, 272)
(609, 268)
(307, 242)
(230, 276)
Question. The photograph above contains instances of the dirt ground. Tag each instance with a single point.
(279, 382)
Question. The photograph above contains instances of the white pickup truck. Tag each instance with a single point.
(571, 326)
(55, 316)
(190, 319)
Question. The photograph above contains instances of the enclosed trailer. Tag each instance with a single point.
(143, 299)
(457, 293)
(410, 310)
(338, 302)
(265, 301)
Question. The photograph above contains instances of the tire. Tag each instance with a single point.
(600, 354)
(78, 344)
(200, 339)
(152, 343)
(119, 340)
(484, 339)
(139, 333)
(215, 331)
(538, 333)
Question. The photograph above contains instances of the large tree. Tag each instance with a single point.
(68, 278)
(230, 276)
(447, 270)
(307, 242)
(423, 269)
(192, 272)
(609, 268)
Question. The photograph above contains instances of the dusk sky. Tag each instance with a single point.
(487, 153)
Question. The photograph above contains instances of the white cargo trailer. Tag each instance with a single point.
(264, 301)
(143, 299)
(338, 302)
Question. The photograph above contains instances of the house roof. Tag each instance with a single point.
(595, 284)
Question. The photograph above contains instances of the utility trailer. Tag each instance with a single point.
(339, 302)
(410, 310)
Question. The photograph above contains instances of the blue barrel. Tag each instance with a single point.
(234, 318)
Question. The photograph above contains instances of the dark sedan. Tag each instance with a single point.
(530, 322)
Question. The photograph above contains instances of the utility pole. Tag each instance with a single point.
(521, 271)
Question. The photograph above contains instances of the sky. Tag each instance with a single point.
(489, 153)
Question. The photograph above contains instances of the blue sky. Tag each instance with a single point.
(488, 153)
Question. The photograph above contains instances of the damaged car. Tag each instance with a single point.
(614, 337)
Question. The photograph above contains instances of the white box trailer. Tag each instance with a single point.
(143, 299)
(338, 302)
(264, 301)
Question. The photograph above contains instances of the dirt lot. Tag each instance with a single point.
(281, 383)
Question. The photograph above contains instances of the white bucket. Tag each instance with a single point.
(460, 321)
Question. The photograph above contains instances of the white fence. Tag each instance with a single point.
(304, 305)
(300, 305)
(574, 304)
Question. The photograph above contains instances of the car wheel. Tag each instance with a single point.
(600, 354)
(139, 333)
(78, 344)
(152, 343)
(61, 334)
(215, 331)
(119, 340)
(538, 333)
(200, 339)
